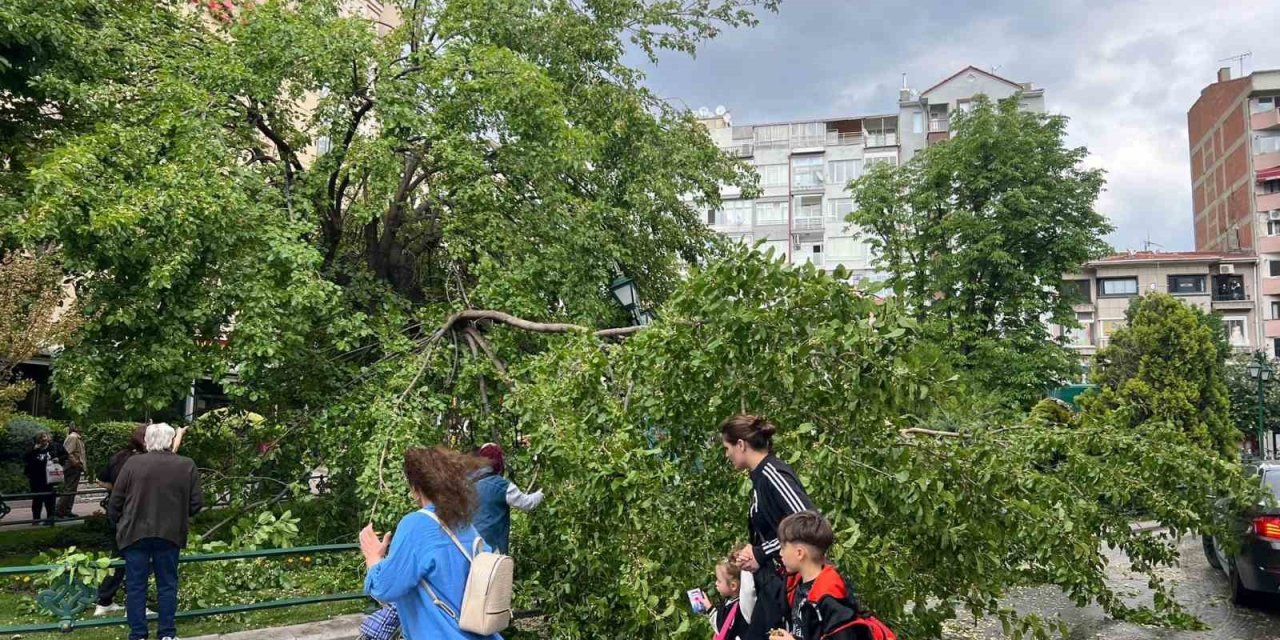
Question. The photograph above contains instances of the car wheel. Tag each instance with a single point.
(1240, 595)
(1210, 554)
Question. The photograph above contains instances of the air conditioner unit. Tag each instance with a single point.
(1273, 215)
(1226, 268)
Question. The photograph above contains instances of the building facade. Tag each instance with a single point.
(1222, 283)
(805, 166)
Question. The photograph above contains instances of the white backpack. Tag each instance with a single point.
(486, 600)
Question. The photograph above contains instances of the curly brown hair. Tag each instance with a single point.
(444, 477)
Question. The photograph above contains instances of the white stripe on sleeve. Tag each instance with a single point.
(788, 494)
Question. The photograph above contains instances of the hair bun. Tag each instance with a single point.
(766, 428)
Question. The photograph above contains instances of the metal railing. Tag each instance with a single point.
(836, 138)
(67, 618)
(937, 125)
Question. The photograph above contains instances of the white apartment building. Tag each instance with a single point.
(805, 166)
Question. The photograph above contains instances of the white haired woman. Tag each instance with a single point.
(151, 505)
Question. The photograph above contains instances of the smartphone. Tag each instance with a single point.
(698, 600)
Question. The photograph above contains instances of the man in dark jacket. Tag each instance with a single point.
(151, 504)
(43, 453)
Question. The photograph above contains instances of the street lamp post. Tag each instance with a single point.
(627, 295)
(1260, 370)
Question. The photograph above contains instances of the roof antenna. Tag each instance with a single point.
(1238, 60)
(904, 81)
(1148, 243)
(995, 68)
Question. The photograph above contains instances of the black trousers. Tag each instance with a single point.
(111, 586)
(46, 502)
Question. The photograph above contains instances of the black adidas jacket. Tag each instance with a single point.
(775, 494)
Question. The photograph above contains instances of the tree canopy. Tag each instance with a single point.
(977, 231)
(1168, 364)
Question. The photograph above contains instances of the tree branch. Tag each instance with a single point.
(472, 315)
(931, 432)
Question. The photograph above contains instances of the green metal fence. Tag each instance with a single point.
(80, 601)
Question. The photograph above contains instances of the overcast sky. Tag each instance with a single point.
(1125, 72)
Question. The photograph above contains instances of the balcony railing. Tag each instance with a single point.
(742, 149)
(882, 139)
(938, 125)
(836, 138)
(808, 222)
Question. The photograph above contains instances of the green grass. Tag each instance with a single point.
(11, 604)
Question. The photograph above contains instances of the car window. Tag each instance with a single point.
(1272, 481)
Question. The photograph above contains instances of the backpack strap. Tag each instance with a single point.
(477, 548)
(728, 623)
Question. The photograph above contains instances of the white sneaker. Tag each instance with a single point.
(100, 610)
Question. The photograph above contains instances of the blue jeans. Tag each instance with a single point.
(140, 560)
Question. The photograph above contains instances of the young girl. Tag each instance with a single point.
(727, 619)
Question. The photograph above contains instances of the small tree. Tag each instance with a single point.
(1168, 364)
(976, 234)
(1243, 393)
(34, 314)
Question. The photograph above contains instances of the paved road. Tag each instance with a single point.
(1199, 587)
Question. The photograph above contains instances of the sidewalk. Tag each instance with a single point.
(340, 628)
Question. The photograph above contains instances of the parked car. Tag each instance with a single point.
(1255, 567)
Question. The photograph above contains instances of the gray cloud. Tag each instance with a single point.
(1125, 72)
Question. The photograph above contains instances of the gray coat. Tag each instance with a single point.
(155, 496)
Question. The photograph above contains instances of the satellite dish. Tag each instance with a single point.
(703, 112)
(720, 110)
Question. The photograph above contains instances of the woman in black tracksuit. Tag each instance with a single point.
(776, 493)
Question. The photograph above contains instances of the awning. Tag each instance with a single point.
(1269, 174)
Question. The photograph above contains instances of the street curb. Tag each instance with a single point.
(345, 627)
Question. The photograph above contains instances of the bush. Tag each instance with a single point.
(103, 439)
(21, 430)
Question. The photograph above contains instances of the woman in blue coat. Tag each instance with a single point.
(421, 551)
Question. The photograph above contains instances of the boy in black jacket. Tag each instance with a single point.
(822, 607)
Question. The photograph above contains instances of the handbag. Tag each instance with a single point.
(383, 624)
(54, 473)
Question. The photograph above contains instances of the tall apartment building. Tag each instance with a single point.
(1234, 135)
(804, 167)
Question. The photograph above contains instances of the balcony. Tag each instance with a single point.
(741, 149)
(938, 125)
(808, 223)
(1271, 286)
(1266, 160)
(1269, 244)
(1265, 120)
(836, 138)
(1272, 329)
(882, 139)
(1268, 201)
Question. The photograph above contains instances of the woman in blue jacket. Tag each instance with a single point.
(421, 551)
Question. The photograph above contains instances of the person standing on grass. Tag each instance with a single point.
(776, 493)
(74, 446)
(106, 479)
(151, 505)
(38, 465)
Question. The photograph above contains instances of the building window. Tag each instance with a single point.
(1273, 268)
(848, 248)
(808, 212)
(1273, 226)
(1183, 285)
(842, 172)
(771, 213)
(1117, 287)
(1275, 310)
(807, 173)
(917, 122)
(773, 175)
(1268, 143)
(889, 160)
(838, 209)
(732, 213)
(1228, 288)
(1275, 347)
(1237, 332)
(1260, 105)
(775, 135)
(323, 145)
(1076, 291)
(882, 132)
(1107, 328)
(808, 134)
(1269, 187)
